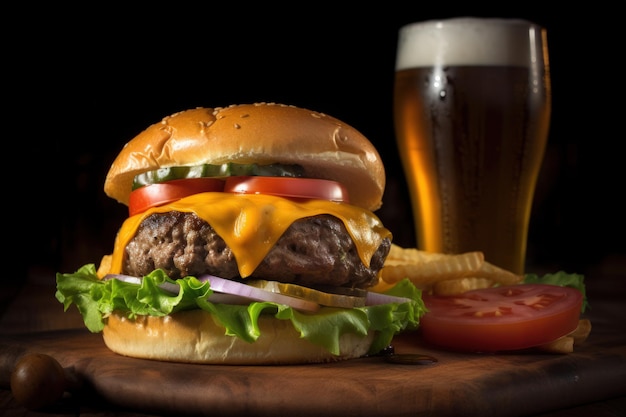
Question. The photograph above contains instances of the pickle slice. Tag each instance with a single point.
(354, 292)
(220, 171)
(320, 297)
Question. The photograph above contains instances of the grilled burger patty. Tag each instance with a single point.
(313, 251)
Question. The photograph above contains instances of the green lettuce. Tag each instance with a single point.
(96, 299)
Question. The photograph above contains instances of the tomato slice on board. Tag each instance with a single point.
(307, 188)
(502, 318)
(158, 194)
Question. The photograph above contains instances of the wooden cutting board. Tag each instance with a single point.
(458, 384)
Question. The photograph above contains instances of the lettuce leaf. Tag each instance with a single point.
(96, 299)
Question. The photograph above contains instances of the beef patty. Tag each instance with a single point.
(313, 251)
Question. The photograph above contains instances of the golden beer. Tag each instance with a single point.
(471, 133)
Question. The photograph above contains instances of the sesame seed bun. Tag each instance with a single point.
(262, 133)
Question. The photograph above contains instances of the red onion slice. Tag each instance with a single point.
(124, 278)
(232, 287)
(375, 298)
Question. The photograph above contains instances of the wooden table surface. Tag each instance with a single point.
(31, 309)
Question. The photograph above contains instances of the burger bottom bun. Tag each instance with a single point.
(195, 337)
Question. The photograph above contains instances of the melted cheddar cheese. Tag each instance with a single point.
(250, 224)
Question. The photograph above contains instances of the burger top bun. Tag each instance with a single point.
(262, 133)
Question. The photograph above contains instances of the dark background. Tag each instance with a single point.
(79, 83)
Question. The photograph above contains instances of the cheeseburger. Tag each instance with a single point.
(251, 239)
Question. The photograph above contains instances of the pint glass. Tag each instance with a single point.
(472, 103)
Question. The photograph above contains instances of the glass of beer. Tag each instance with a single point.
(472, 103)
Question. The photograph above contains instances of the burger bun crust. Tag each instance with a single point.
(262, 133)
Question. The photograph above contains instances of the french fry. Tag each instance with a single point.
(566, 343)
(443, 273)
(563, 344)
(399, 254)
(582, 331)
(425, 273)
(459, 286)
(499, 275)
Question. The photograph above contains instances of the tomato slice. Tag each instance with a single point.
(502, 318)
(306, 188)
(154, 195)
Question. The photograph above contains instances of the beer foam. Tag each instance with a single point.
(468, 41)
